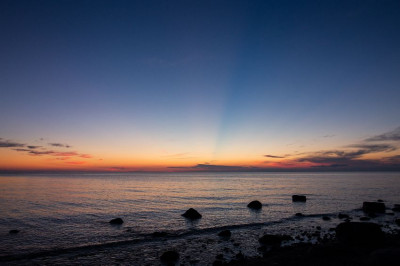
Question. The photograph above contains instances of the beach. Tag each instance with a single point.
(143, 239)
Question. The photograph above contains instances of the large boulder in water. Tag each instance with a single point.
(299, 198)
(274, 240)
(357, 233)
(116, 221)
(255, 205)
(169, 256)
(192, 214)
(371, 207)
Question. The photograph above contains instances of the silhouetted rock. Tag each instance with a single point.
(225, 233)
(343, 216)
(364, 218)
(240, 256)
(299, 214)
(326, 218)
(159, 234)
(379, 200)
(299, 198)
(217, 263)
(378, 207)
(372, 215)
(169, 256)
(116, 221)
(273, 239)
(397, 221)
(255, 204)
(396, 208)
(192, 214)
(356, 233)
(14, 231)
(385, 256)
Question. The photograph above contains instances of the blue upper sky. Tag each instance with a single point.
(199, 77)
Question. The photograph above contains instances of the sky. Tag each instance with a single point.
(199, 85)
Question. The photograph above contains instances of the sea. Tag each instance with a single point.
(64, 218)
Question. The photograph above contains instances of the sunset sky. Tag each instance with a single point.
(199, 85)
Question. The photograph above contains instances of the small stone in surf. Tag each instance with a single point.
(299, 198)
(192, 214)
(116, 221)
(170, 256)
(378, 207)
(255, 204)
(14, 231)
(225, 233)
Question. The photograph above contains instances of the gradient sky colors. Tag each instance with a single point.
(199, 85)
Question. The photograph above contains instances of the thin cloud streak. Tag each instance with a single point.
(10, 144)
(274, 156)
(389, 136)
(60, 145)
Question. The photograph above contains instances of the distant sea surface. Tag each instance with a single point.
(73, 210)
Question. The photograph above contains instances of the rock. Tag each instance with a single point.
(364, 218)
(225, 233)
(299, 198)
(116, 221)
(396, 208)
(159, 234)
(273, 239)
(170, 256)
(240, 256)
(14, 231)
(372, 215)
(378, 207)
(397, 221)
(343, 216)
(326, 218)
(379, 200)
(255, 204)
(299, 214)
(219, 257)
(192, 214)
(363, 234)
(385, 256)
(217, 263)
(318, 227)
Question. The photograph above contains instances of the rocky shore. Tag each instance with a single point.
(367, 236)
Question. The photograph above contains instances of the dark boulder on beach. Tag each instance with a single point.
(225, 233)
(396, 208)
(169, 256)
(255, 204)
(343, 216)
(371, 207)
(274, 240)
(159, 234)
(299, 214)
(299, 198)
(385, 256)
(357, 233)
(397, 221)
(116, 221)
(14, 231)
(326, 218)
(192, 214)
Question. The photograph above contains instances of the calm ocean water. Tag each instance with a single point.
(63, 211)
